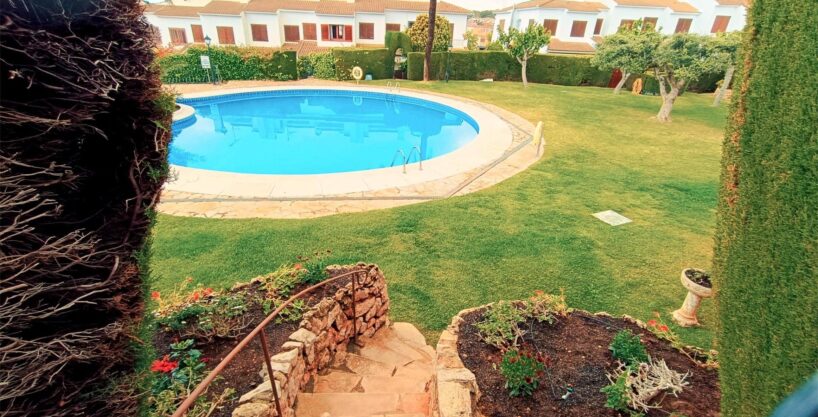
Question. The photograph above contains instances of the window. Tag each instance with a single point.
(310, 31)
(198, 34)
(626, 23)
(550, 25)
(291, 33)
(366, 30)
(578, 28)
(683, 25)
(156, 35)
(393, 27)
(650, 23)
(720, 24)
(259, 33)
(411, 22)
(502, 25)
(225, 35)
(177, 36)
(598, 26)
(336, 33)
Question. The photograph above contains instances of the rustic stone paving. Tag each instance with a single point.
(519, 156)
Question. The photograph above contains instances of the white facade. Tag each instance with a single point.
(164, 18)
(702, 14)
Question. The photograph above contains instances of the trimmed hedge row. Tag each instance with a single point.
(499, 65)
(231, 63)
(377, 62)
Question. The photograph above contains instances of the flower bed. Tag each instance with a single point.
(197, 326)
(538, 358)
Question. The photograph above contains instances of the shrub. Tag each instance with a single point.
(230, 63)
(628, 348)
(419, 33)
(320, 65)
(637, 387)
(500, 326)
(499, 65)
(522, 371)
(617, 393)
(377, 62)
(85, 129)
(766, 251)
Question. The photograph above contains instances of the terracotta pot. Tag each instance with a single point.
(685, 316)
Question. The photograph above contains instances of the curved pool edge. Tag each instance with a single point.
(490, 144)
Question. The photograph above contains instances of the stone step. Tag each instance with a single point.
(393, 384)
(346, 404)
(415, 370)
(409, 333)
(337, 381)
(378, 352)
(388, 339)
(364, 366)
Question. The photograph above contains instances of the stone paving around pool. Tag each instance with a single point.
(517, 157)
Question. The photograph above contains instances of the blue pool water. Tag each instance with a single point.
(314, 131)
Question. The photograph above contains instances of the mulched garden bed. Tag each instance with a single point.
(578, 345)
(242, 374)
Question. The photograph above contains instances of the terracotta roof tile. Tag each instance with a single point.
(178, 11)
(345, 8)
(675, 5)
(745, 3)
(557, 45)
(574, 6)
(223, 7)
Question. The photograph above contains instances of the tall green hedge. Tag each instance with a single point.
(377, 62)
(766, 253)
(231, 62)
(499, 65)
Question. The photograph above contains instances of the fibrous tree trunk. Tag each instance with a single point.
(728, 77)
(427, 61)
(622, 82)
(85, 129)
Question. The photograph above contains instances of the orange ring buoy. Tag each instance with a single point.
(637, 87)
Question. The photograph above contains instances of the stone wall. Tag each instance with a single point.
(456, 391)
(323, 335)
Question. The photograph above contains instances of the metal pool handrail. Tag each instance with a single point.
(259, 331)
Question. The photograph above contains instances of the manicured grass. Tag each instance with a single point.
(533, 231)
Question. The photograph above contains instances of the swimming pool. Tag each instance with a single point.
(315, 131)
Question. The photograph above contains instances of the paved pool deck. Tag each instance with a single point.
(199, 193)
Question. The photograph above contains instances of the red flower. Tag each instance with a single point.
(663, 328)
(155, 295)
(207, 291)
(298, 266)
(164, 365)
(195, 296)
(205, 360)
(652, 323)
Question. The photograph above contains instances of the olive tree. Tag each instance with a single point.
(678, 60)
(524, 44)
(631, 50)
(724, 48)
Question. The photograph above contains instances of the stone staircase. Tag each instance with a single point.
(390, 375)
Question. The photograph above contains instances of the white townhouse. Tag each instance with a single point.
(577, 25)
(304, 25)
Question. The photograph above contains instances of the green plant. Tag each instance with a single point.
(500, 326)
(419, 33)
(377, 62)
(471, 40)
(628, 348)
(617, 394)
(636, 387)
(292, 313)
(231, 63)
(522, 371)
(314, 267)
(766, 249)
(524, 44)
(322, 65)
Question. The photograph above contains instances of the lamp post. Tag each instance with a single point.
(207, 41)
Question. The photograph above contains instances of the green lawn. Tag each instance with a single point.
(533, 231)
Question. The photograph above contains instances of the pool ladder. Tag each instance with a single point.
(405, 159)
(393, 86)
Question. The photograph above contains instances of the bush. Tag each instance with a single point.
(377, 62)
(419, 33)
(522, 371)
(499, 65)
(230, 63)
(320, 65)
(628, 348)
(766, 251)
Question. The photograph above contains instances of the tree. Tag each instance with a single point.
(725, 51)
(631, 50)
(678, 60)
(419, 33)
(85, 129)
(430, 40)
(524, 45)
(471, 40)
(766, 246)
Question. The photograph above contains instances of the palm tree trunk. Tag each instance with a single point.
(427, 62)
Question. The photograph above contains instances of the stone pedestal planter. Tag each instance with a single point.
(685, 316)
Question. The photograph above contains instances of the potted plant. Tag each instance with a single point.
(698, 286)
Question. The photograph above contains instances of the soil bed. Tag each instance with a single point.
(242, 374)
(578, 345)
